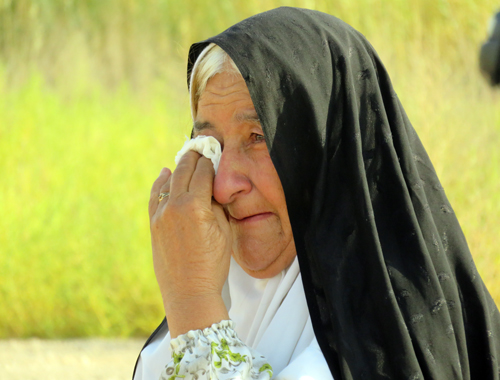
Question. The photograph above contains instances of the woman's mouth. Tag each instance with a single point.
(252, 218)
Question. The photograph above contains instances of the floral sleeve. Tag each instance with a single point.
(214, 353)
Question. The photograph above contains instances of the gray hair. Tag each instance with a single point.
(212, 60)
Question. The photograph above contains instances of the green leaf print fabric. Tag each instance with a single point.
(215, 353)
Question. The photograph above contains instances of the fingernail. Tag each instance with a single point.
(163, 170)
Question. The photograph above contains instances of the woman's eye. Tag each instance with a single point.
(258, 137)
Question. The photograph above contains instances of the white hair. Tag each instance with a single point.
(212, 60)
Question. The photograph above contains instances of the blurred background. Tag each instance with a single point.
(93, 103)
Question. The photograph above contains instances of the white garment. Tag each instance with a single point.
(271, 317)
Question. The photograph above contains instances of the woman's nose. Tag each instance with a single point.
(232, 179)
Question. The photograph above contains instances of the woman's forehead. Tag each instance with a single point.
(224, 86)
(225, 101)
(226, 97)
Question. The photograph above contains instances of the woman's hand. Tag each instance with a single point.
(191, 241)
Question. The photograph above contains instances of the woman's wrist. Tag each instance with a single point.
(194, 313)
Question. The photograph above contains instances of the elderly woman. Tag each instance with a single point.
(326, 219)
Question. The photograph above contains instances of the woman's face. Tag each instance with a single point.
(246, 184)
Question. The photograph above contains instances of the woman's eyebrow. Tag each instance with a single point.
(248, 116)
(200, 126)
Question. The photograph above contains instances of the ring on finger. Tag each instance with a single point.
(163, 195)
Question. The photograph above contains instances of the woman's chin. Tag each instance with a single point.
(267, 267)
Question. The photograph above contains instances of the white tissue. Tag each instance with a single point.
(205, 145)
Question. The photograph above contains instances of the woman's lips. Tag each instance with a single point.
(253, 218)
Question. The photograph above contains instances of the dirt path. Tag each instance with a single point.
(73, 359)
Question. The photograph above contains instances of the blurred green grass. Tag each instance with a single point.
(75, 185)
(93, 103)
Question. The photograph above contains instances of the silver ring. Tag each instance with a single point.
(163, 195)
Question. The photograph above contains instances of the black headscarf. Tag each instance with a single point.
(391, 286)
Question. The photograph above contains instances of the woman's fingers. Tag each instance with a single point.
(162, 179)
(194, 174)
(164, 189)
(202, 180)
(183, 173)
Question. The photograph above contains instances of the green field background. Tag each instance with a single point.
(93, 104)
